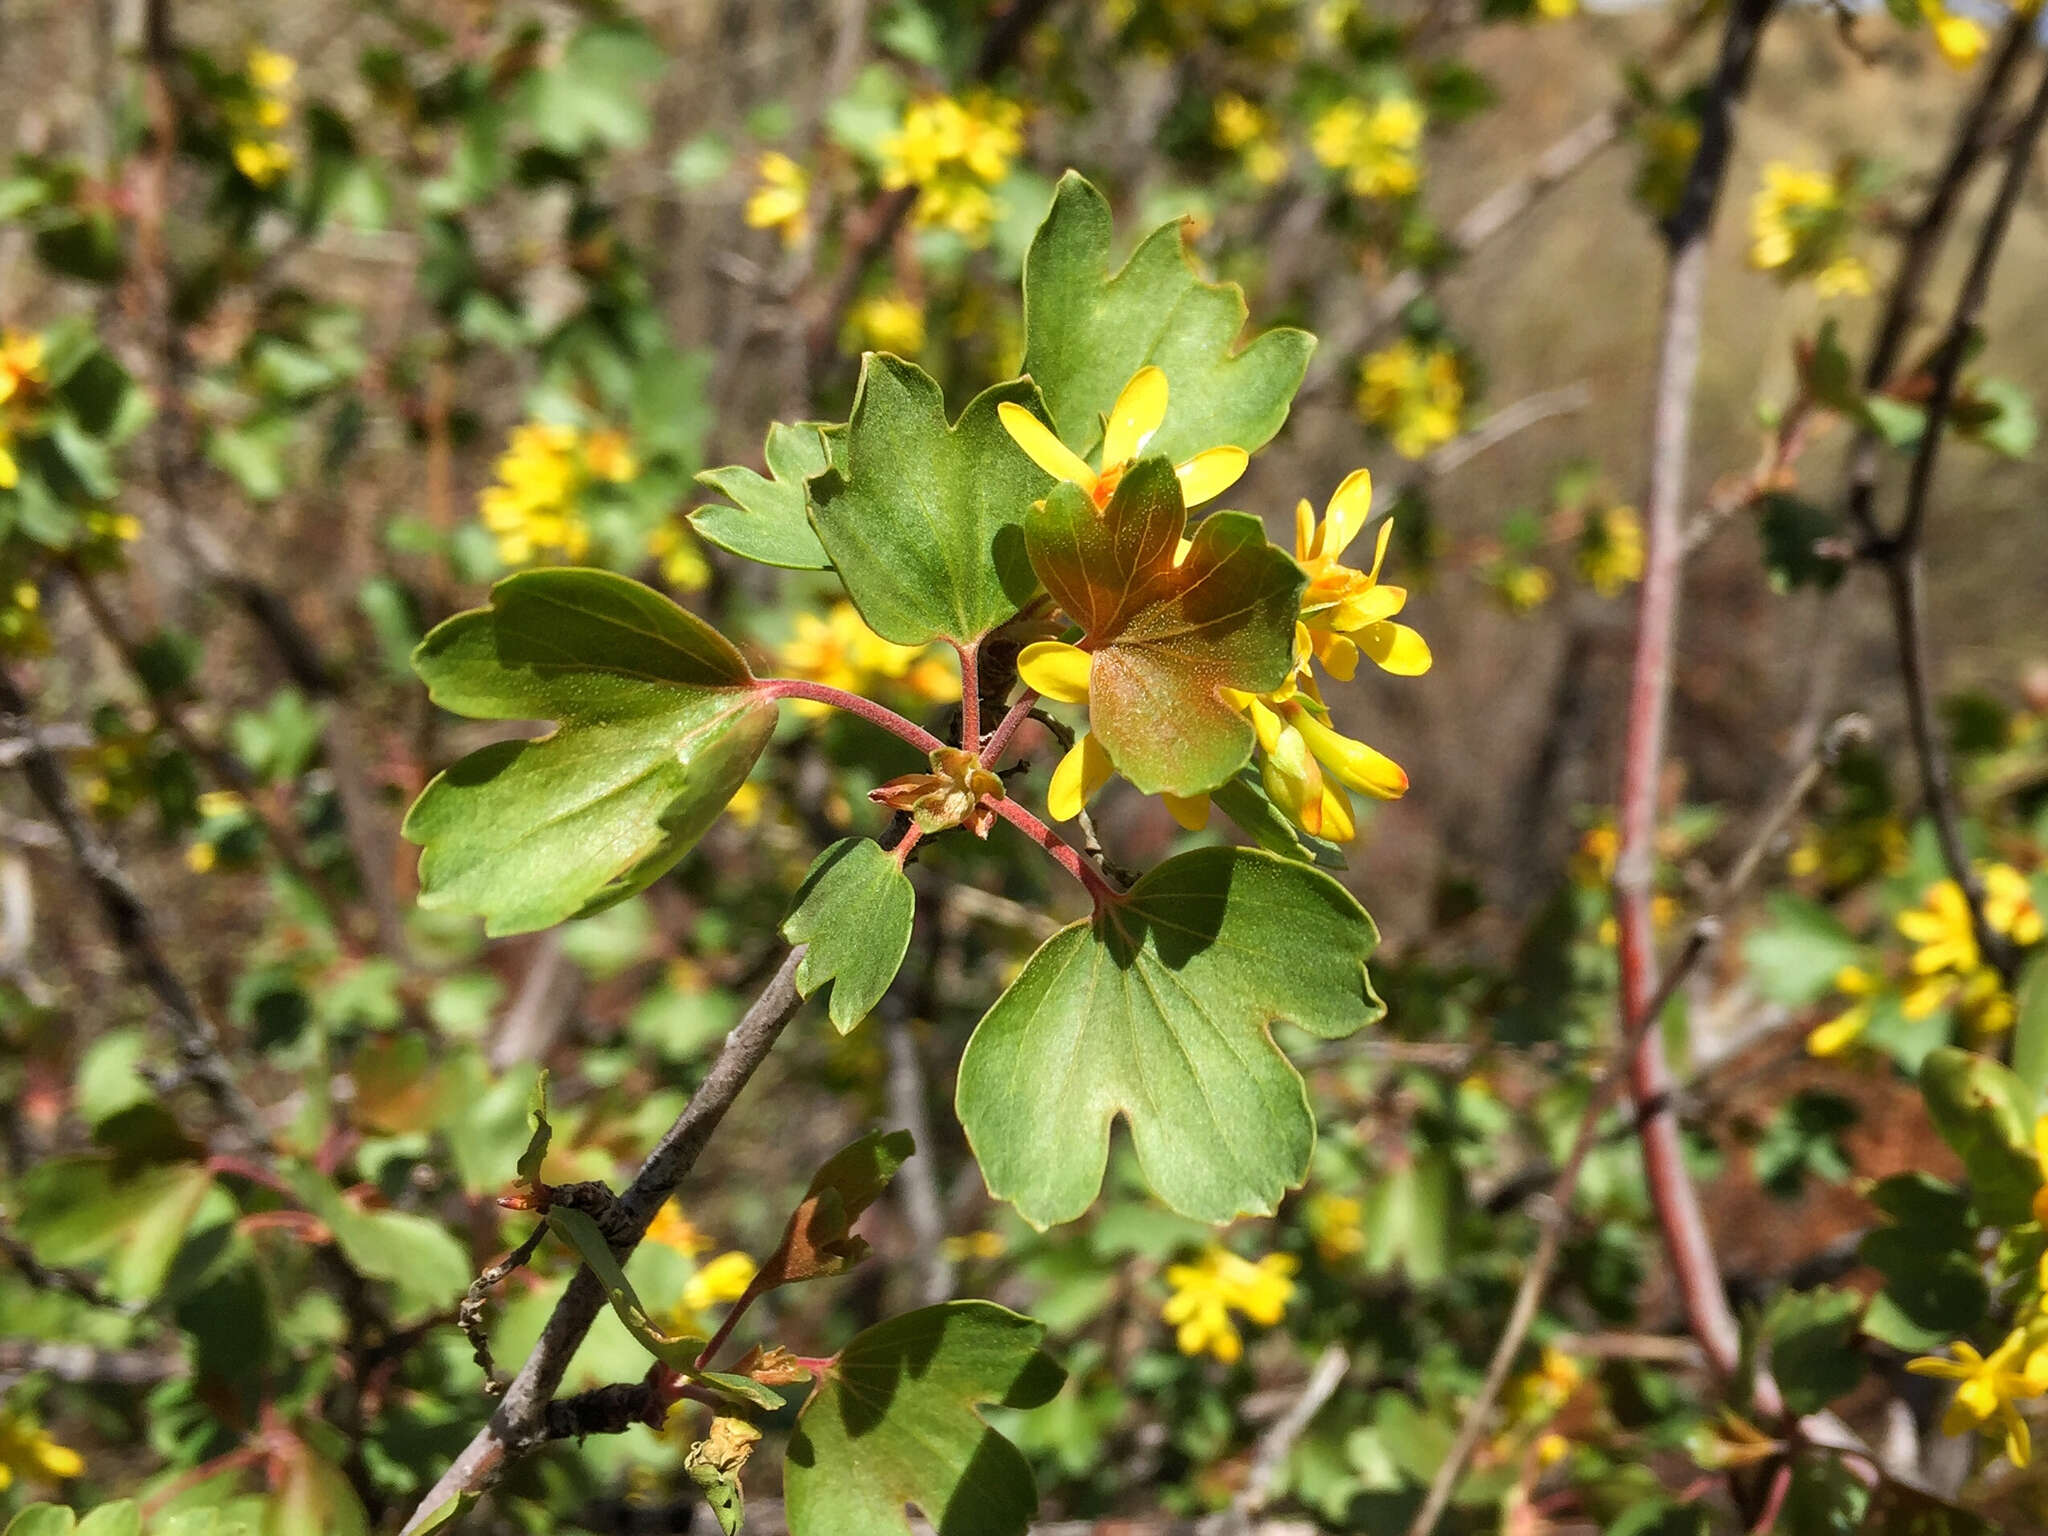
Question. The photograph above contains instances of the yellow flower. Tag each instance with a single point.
(27, 1450)
(781, 199)
(1987, 1387)
(2009, 905)
(535, 507)
(1414, 396)
(724, 1279)
(21, 363)
(1846, 277)
(201, 857)
(981, 1246)
(1208, 1291)
(888, 322)
(953, 151)
(1136, 416)
(1343, 610)
(1245, 127)
(608, 456)
(1524, 588)
(1557, 10)
(1845, 1028)
(842, 652)
(1337, 1224)
(1535, 1397)
(257, 152)
(1611, 551)
(1373, 145)
(681, 558)
(1799, 225)
(1946, 960)
(270, 72)
(672, 1229)
(1959, 38)
(10, 472)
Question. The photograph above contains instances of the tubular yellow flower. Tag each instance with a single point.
(1346, 611)
(1987, 1386)
(1208, 1291)
(1415, 397)
(1947, 963)
(781, 198)
(21, 363)
(1800, 222)
(1137, 414)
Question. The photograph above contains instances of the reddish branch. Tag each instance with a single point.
(1686, 235)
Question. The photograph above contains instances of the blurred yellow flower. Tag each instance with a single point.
(953, 150)
(724, 1279)
(1610, 553)
(842, 652)
(1845, 1028)
(672, 1229)
(1947, 963)
(1245, 127)
(887, 322)
(28, 1451)
(1415, 396)
(1373, 145)
(1524, 588)
(1337, 1225)
(681, 558)
(21, 363)
(257, 151)
(1960, 38)
(1208, 1291)
(781, 198)
(1799, 224)
(535, 509)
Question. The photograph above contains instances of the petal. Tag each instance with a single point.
(1083, 771)
(1355, 765)
(1397, 648)
(1055, 669)
(1191, 812)
(1293, 778)
(1934, 1365)
(1340, 821)
(1304, 530)
(2018, 1444)
(1350, 506)
(1209, 474)
(1379, 549)
(1338, 656)
(1368, 606)
(1042, 448)
(1135, 417)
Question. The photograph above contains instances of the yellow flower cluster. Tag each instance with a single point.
(1947, 966)
(27, 1450)
(1610, 554)
(1208, 1291)
(535, 508)
(259, 153)
(842, 652)
(1247, 129)
(781, 199)
(1989, 1386)
(1305, 764)
(1373, 144)
(1799, 225)
(886, 322)
(953, 150)
(21, 375)
(1415, 395)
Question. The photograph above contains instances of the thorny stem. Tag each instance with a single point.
(868, 710)
(1068, 857)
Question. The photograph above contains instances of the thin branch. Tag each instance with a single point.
(1064, 853)
(520, 1422)
(1496, 429)
(875, 714)
(1269, 1460)
(128, 920)
(1686, 234)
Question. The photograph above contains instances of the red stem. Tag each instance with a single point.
(970, 696)
(1069, 858)
(999, 738)
(853, 704)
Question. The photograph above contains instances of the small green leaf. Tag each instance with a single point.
(819, 1239)
(767, 521)
(2030, 1033)
(1999, 414)
(658, 723)
(1245, 801)
(1987, 1115)
(121, 1518)
(1813, 1355)
(855, 910)
(426, 1267)
(1168, 636)
(743, 1388)
(590, 99)
(580, 1232)
(1794, 961)
(1159, 1009)
(92, 1210)
(893, 1424)
(925, 521)
(536, 1151)
(43, 1520)
(1895, 421)
(1086, 332)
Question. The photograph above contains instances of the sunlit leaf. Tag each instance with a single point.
(767, 520)
(855, 910)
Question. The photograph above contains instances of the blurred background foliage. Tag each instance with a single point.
(317, 318)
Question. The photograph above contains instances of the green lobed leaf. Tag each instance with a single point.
(93, 1210)
(855, 910)
(1086, 332)
(658, 723)
(1813, 1355)
(1168, 637)
(925, 521)
(1159, 1009)
(893, 1423)
(1987, 1115)
(426, 1267)
(43, 1520)
(123, 1517)
(767, 520)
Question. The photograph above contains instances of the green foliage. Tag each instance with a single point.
(1168, 636)
(1087, 331)
(1987, 1115)
(1812, 1337)
(855, 910)
(768, 520)
(1160, 1009)
(893, 1423)
(924, 521)
(657, 724)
